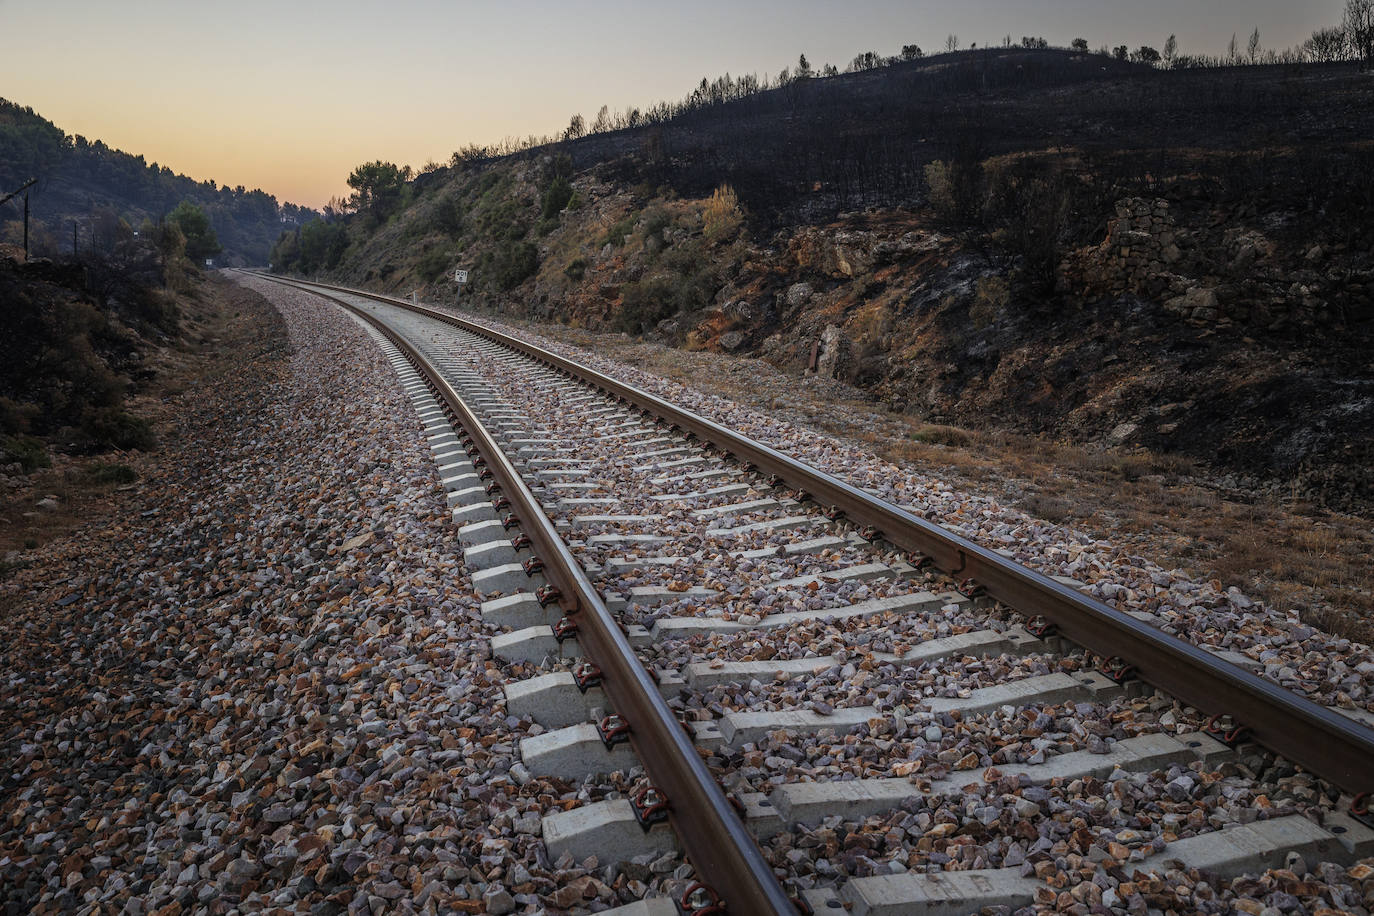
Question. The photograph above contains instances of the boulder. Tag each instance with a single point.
(798, 294)
(853, 252)
(1198, 302)
(1123, 432)
(741, 310)
(836, 356)
(732, 340)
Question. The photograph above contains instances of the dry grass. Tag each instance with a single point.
(23, 526)
(1050, 508)
(89, 488)
(937, 434)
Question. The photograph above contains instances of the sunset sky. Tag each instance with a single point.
(289, 96)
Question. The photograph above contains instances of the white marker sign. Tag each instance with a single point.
(460, 276)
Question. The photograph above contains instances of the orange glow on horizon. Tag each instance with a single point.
(290, 97)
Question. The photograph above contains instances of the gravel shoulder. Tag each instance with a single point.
(263, 682)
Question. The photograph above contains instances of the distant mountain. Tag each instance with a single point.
(88, 182)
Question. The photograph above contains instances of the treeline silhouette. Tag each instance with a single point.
(87, 181)
(817, 146)
(1352, 39)
(813, 140)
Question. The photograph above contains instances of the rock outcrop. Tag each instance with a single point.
(835, 354)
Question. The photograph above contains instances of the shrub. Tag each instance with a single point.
(556, 197)
(432, 264)
(576, 269)
(27, 450)
(489, 180)
(941, 188)
(154, 309)
(172, 244)
(514, 263)
(937, 434)
(448, 215)
(722, 217)
(110, 427)
(1127, 467)
(990, 298)
(649, 301)
(955, 186)
(656, 219)
(199, 236)
(1031, 207)
(101, 472)
(316, 246)
(16, 416)
(10, 567)
(619, 231)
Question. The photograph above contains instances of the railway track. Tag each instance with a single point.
(820, 698)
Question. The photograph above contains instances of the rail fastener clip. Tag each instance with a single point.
(700, 900)
(1222, 727)
(1118, 669)
(1359, 809)
(968, 588)
(586, 676)
(564, 629)
(650, 806)
(613, 730)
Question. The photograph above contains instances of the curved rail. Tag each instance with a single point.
(723, 852)
(1324, 742)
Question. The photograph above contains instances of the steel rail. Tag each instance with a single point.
(723, 852)
(1326, 743)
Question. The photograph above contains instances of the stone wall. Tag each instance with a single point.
(1141, 247)
(1214, 275)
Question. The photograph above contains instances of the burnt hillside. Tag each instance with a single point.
(819, 146)
(1053, 242)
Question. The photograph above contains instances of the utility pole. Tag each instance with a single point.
(4, 200)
